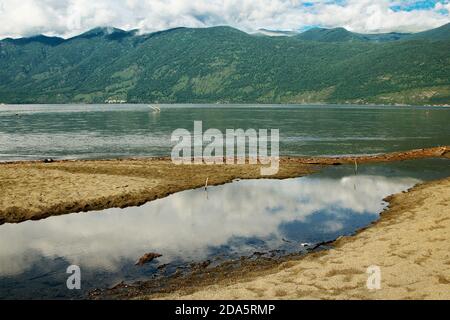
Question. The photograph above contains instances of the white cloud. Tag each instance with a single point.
(70, 17)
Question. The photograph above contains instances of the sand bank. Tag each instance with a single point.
(36, 190)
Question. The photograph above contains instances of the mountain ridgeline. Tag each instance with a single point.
(225, 65)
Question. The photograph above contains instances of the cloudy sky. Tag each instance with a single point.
(70, 17)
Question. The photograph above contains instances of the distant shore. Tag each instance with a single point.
(241, 104)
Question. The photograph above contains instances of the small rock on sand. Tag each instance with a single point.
(148, 257)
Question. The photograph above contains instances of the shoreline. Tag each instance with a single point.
(313, 104)
(34, 190)
(408, 244)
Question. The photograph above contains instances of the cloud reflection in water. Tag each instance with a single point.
(189, 224)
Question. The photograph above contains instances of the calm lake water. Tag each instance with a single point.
(226, 222)
(112, 131)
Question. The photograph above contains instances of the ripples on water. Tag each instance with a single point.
(112, 131)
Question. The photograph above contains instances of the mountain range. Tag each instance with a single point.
(226, 65)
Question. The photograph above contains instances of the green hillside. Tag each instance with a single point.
(329, 35)
(225, 65)
(439, 34)
(342, 35)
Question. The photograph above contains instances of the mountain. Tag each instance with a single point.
(106, 32)
(329, 35)
(51, 41)
(222, 64)
(342, 35)
(384, 37)
(439, 34)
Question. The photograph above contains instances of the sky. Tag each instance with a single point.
(67, 18)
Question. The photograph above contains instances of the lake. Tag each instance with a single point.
(30, 132)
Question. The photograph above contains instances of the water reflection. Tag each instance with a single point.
(192, 226)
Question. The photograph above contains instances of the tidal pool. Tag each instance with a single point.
(224, 222)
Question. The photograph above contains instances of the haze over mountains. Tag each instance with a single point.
(225, 65)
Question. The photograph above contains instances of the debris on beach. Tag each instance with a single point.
(148, 257)
(200, 265)
(163, 266)
(258, 254)
(155, 109)
(305, 244)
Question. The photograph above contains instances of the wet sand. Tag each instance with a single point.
(410, 244)
(36, 190)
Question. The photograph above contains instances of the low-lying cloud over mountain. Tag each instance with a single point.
(70, 17)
